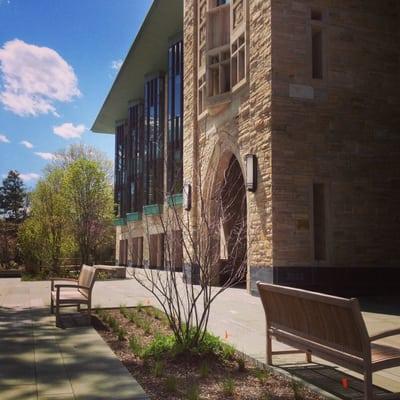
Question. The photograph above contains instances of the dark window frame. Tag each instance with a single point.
(136, 142)
(153, 155)
(175, 118)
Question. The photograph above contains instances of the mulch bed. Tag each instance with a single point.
(173, 379)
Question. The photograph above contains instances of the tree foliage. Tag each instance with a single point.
(71, 211)
(13, 197)
(13, 206)
(80, 151)
(90, 206)
(43, 235)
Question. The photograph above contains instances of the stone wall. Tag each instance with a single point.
(342, 131)
(242, 127)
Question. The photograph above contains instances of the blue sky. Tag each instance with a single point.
(58, 59)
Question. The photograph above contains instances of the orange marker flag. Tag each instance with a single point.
(345, 383)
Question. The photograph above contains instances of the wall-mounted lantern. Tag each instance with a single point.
(251, 172)
(187, 196)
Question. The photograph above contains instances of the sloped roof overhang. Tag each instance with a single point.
(148, 54)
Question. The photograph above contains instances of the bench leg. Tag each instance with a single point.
(308, 357)
(368, 392)
(51, 305)
(57, 313)
(269, 350)
(79, 307)
(89, 311)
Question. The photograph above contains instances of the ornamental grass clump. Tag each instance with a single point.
(171, 384)
(135, 346)
(228, 387)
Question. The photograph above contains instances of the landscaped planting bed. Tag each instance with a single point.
(142, 340)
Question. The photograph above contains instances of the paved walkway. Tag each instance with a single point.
(40, 361)
(239, 317)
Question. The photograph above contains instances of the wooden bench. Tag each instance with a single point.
(75, 293)
(328, 327)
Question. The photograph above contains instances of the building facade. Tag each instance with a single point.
(301, 98)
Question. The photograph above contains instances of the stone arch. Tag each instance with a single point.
(226, 194)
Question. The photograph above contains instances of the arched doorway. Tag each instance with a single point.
(231, 210)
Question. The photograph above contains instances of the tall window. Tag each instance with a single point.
(175, 118)
(120, 170)
(319, 221)
(316, 45)
(136, 157)
(153, 172)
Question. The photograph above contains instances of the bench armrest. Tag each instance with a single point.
(61, 279)
(72, 286)
(391, 332)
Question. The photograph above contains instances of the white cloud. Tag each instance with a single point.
(34, 78)
(69, 131)
(46, 156)
(116, 64)
(30, 176)
(27, 144)
(4, 139)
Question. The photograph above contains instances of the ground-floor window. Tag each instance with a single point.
(137, 252)
(176, 249)
(156, 251)
(123, 252)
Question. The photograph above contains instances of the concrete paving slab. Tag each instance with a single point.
(236, 317)
(18, 392)
(40, 361)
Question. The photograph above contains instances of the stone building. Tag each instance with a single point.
(302, 98)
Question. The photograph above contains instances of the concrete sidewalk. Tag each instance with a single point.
(40, 361)
(239, 317)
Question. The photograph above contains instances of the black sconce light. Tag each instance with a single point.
(251, 172)
(187, 196)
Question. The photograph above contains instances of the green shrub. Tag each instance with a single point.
(140, 306)
(210, 346)
(135, 346)
(228, 387)
(241, 363)
(193, 392)
(145, 325)
(158, 369)
(113, 324)
(149, 311)
(204, 369)
(171, 384)
(121, 334)
(261, 374)
(123, 310)
(161, 344)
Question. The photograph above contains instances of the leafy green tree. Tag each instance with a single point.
(78, 151)
(88, 194)
(13, 206)
(13, 197)
(43, 235)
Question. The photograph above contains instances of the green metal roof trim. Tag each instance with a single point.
(148, 54)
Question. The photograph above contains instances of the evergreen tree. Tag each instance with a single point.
(13, 197)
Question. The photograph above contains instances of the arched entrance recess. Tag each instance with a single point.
(230, 209)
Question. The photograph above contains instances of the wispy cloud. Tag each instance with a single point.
(34, 78)
(116, 64)
(30, 176)
(69, 130)
(27, 144)
(46, 156)
(4, 139)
